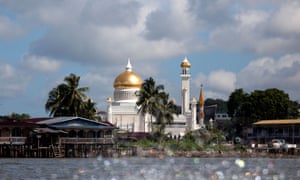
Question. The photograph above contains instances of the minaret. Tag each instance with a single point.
(192, 124)
(201, 108)
(185, 85)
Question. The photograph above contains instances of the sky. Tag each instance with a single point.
(249, 44)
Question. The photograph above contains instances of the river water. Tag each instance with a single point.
(150, 168)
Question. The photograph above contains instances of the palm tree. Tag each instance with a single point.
(67, 99)
(56, 103)
(148, 96)
(154, 100)
(164, 113)
(89, 110)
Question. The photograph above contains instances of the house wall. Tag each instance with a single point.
(264, 134)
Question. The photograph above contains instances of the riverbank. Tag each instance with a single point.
(154, 153)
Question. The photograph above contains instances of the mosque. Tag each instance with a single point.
(122, 110)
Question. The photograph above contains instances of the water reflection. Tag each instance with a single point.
(150, 168)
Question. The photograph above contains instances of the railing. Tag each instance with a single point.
(13, 140)
(86, 140)
(262, 135)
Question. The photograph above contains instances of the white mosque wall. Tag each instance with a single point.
(125, 95)
(129, 122)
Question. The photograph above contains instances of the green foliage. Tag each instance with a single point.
(246, 109)
(235, 102)
(221, 104)
(145, 143)
(154, 100)
(67, 99)
(17, 116)
(216, 147)
(240, 148)
(189, 145)
(260, 105)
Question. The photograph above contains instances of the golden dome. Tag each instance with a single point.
(185, 63)
(128, 79)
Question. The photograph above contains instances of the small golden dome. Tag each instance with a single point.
(185, 63)
(128, 79)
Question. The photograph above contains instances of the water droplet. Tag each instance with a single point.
(240, 163)
(220, 175)
(257, 178)
(265, 171)
(106, 163)
(196, 160)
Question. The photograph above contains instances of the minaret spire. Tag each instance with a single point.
(128, 67)
(201, 107)
(201, 98)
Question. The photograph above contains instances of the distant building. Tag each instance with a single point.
(54, 137)
(122, 110)
(266, 130)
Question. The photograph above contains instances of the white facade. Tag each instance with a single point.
(123, 111)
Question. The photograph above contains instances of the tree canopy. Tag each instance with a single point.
(273, 103)
(17, 116)
(153, 100)
(262, 105)
(221, 104)
(268, 104)
(68, 99)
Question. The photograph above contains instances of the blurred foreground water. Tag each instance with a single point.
(151, 168)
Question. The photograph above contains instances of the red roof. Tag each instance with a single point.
(17, 124)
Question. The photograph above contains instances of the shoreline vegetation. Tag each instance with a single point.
(154, 153)
(164, 150)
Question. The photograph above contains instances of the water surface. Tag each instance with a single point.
(150, 168)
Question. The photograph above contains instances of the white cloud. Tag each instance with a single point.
(217, 84)
(273, 29)
(13, 82)
(286, 19)
(9, 29)
(40, 63)
(108, 31)
(221, 81)
(264, 73)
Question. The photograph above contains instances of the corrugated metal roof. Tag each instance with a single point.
(278, 121)
(78, 122)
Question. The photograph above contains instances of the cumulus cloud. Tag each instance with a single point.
(174, 23)
(264, 73)
(40, 63)
(9, 29)
(286, 19)
(261, 31)
(221, 81)
(107, 31)
(217, 84)
(13, 82)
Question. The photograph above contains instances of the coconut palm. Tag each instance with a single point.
(165, 111)
(67, 99)
(148, 98)
(153, 100)
(89, 110)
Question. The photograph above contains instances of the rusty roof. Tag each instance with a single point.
(277, 121)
